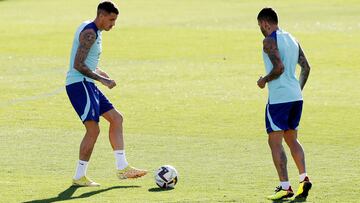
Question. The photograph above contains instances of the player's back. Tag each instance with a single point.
(286, 88)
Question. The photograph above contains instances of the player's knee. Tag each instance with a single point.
(274, 144)
(294, 144)
(117, 118)
(290, 142)
(92, 128)
(93, 131)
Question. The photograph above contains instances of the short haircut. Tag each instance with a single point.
(108, 7)
(269, 15)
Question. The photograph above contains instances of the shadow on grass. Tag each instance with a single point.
(67, 194)
(157, 189)
(299, 200)
(290, 200)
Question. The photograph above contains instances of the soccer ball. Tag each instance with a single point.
(166, 177)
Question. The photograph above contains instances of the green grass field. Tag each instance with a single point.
(186, 73)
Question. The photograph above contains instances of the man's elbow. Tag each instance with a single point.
(279, 70)
(79, 67)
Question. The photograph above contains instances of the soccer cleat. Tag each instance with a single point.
(303, 189)
(84, 182)
(281, 193)
(130, 172)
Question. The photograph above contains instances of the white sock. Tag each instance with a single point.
(285, 185)
(302, 176)
(81, 169)
(120, 158)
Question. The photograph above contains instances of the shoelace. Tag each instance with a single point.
(278, 188)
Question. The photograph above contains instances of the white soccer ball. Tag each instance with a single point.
(166, 177)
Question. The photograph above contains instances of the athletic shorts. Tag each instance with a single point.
(87, 100)
(283, 116)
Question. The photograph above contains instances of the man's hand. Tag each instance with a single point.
(261, 82)
(105, 80)
(108, 82)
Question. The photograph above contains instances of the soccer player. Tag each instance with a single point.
(88, 101)
(281, 54)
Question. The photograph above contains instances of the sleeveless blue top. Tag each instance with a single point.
(286, 88)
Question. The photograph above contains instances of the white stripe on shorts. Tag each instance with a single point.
(87, 107)
(272, 124)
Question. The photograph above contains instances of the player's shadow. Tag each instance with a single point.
(290, 200)
(157, 189)
(67, 194)
(281, 200)
(299, 200)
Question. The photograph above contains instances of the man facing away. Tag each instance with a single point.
(281, 54)
(88, 101)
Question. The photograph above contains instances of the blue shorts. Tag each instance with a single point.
(283, 116)
(87, 100)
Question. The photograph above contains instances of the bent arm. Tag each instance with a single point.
(271, 49)
(305, 68)
(86, 40)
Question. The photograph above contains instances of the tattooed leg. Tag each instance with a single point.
(278, 154)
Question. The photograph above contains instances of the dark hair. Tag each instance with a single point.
(268, 14)
(107, 6)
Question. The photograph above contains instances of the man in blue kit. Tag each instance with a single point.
(281, 54)
(88, 101)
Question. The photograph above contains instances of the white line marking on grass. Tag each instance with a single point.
(32, 98)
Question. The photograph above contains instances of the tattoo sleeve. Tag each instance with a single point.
(271, 49)
(305, 68)
(86, 40)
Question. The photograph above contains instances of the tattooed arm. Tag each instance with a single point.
(270, 48)
(86, 40)
(305, 68)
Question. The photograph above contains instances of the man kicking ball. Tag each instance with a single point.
(88, 101)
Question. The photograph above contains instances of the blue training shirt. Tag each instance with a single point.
(92, 58)
(286, 88)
